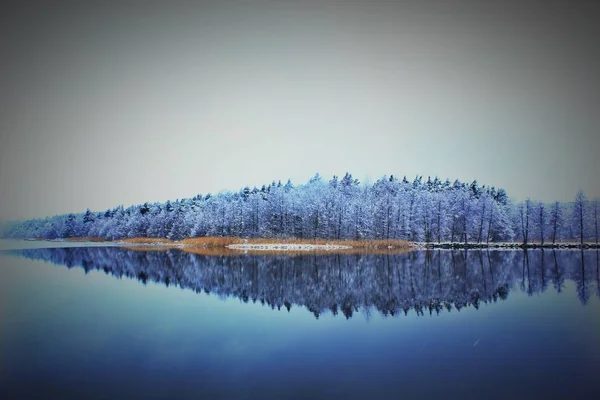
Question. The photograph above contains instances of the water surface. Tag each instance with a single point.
(106, 322)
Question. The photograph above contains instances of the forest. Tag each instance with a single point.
(429, 211)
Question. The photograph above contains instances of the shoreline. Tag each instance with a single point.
(275, 244)
(283, 244)
(506, 245)
(287, 247)
(272, 245)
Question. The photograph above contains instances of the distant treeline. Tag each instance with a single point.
(420, 210)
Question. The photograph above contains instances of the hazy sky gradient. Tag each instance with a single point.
(106, 105)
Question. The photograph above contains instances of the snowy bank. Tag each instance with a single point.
(286, 247)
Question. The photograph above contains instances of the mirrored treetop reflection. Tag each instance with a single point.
(427, 282)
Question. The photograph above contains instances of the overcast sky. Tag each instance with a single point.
(106, 105)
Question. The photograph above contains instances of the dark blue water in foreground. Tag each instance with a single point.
(115, 323)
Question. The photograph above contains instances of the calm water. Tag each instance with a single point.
(108, 322)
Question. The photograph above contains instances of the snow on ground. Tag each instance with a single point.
(287, 247)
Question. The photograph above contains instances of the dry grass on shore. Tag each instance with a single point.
(224, 251)
(358, 244)
(218, 241)
(217, 246)
(211, 241)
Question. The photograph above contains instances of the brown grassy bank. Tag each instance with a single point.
(224, 251)
(216, 246)
(212, 242)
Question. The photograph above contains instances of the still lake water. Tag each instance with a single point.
(109, 322)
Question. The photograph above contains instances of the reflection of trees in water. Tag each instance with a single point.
(597, 273)
(585, 276)
(424, 281)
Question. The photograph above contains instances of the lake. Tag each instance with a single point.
(112, 322)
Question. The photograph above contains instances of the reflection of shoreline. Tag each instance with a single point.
(287, 247)
(391, 283)
(291, 246)
(226, 251)
(507, 246)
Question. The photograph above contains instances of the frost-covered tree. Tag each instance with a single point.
(579, 210)
(540, 220)
(556, 220)
(595, 207)
(429, 210)
(525, 213)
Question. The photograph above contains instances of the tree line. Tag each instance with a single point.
(420, 210)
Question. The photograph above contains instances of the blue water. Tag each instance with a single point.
(116, 323)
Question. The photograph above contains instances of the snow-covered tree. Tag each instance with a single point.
(428, 210)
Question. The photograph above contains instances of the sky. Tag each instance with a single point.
(103, 103)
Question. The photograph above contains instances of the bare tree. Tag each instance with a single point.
(541, 221)
(555, 220)
(595, 205)
(578, 213)
(439, 212)
(524, 212)
(490, 223)
(482, 217)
